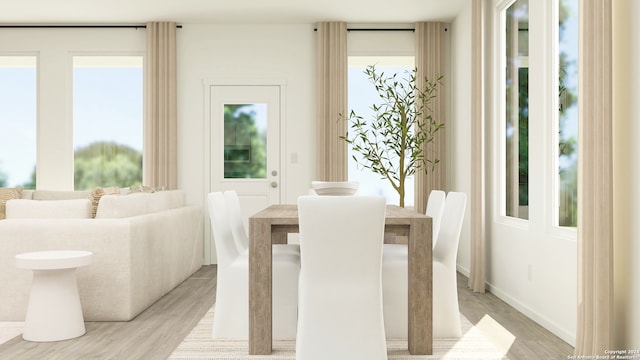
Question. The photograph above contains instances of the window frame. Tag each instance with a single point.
(381, 44)
(54, 129)
(500, 151)
(543, 137)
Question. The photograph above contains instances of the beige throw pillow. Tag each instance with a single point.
(5, 195)
(49, 209)
(145, 189)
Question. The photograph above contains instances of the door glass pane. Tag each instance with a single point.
(107, 121)
(517, 109)
(245, 141)
(18, 109)
(568, 113)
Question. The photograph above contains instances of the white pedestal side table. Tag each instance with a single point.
(54, 312)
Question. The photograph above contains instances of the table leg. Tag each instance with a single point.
(420, 287)
(260, 275)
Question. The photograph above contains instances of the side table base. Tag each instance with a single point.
(54, 312)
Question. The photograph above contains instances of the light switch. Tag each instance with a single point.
(294, 157)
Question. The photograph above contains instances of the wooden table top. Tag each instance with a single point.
(287, 214)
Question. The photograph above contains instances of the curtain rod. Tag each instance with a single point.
(79, 26)
(379, 29)
(375, 29)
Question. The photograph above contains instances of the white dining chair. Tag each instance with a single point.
(435, 209)
(239, 232)
(446, 314)
(231, 312)
(340, 292)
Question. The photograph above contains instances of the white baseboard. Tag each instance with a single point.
(567, 336)
(543, 321)
(463, 270)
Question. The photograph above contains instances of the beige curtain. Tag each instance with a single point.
(331, 77)
(430, 63)
(477, 197)
(160, 165)
(595, 180)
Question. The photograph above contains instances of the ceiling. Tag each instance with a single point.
(51, 12)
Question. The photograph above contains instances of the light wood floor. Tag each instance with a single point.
(533, 342)
(158, 330)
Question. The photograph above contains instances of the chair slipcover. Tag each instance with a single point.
(239, 232)
(340, 293)
(446, 315)
(231, 316)
(435, 208)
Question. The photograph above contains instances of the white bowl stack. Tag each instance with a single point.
(335, 188)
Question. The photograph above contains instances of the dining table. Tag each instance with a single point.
(272, 226)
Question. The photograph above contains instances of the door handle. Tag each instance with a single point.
(274, 184)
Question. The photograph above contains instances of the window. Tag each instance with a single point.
(516, 109)
(18, 109)
(107, 121)
(567, 189)
(538, 109)
(362, 95)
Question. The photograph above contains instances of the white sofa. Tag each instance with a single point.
(144, 245)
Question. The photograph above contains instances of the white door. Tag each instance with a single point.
(245, 143)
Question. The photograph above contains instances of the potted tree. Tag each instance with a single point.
(391, 143)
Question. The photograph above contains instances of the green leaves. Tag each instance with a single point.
(392, 142)
(106, 164)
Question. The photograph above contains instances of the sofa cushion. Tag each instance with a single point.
(7, 194)
(60, 195)
(138, 203)
(96, 195)
(165, 200)
(49, 209)
(116, 206)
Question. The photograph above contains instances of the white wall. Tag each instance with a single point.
(459, 127)
(208, 51)
(626, 167)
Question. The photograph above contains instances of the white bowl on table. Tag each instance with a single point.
(335, 188)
